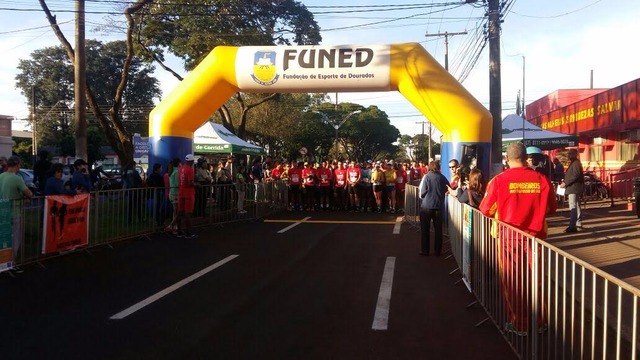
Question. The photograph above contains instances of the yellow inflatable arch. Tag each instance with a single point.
(407, 68)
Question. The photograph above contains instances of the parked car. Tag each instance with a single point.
(27, 176)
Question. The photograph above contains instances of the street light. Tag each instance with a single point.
(337, 126)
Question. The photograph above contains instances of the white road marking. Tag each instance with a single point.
(396, 227)
(381, 316)
(293, 225)
(123, 314)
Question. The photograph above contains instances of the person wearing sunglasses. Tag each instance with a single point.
(454, 166)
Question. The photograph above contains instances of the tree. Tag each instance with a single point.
(368, 135)
(49, 75)
(114, 129)
(274, 124)
(191, 30)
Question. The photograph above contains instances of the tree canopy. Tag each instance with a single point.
(190, 30)
(48, 74)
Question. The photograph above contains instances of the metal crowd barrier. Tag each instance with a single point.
(620, 185)
(547, 303)
(116, 215)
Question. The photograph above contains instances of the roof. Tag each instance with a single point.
(516, 129)
(212, 138)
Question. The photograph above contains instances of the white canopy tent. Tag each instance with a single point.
(212, 138)
(516, 129)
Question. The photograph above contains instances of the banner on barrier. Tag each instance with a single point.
(6, 246)
(66, 224)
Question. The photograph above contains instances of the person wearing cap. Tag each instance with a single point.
(539, 161)
(13, 188)
(80, 179)
(186, 197)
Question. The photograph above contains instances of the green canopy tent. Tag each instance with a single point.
(212, 138)
(516, 129)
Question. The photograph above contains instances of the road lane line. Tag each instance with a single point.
(381, 316)
(364, 222)
(396, 228)
(294, 225)
(123, 314)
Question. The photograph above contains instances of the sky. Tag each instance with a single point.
(545, 45)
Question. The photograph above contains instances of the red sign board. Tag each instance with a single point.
(614, 106)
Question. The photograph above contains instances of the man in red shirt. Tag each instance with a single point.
(520, 197)
(309, 190)
(295, 181)
(324, 184)
(186, 197)
(340, 187)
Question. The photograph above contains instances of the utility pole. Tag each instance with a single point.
(524, 113)
(34, 142)
(80, 84)
(495, 89)
(446, 44)
(422, 137)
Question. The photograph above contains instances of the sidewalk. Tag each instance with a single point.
(610, 239)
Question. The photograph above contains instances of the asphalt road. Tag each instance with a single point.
(276, 289)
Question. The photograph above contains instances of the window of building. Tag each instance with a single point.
(596, 153)
(628, 150)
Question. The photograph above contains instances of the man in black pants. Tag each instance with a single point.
(433, 188)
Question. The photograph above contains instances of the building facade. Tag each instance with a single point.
(606, 121)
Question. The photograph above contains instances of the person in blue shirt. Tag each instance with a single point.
(55, 185)
(80, 180)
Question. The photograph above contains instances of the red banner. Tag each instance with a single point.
(66, 224)
(618, 106)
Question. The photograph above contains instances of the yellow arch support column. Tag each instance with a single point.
(464, 122)
(200, 94)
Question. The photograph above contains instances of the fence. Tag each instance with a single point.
(547, 303)
(115, 215)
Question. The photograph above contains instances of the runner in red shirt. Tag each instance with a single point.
(402, 177)
(295, 182)
(340, 187)
(276, 172)
(520, 197)
(309, 186)
(186, 197)
(353, 188)
(324, 184)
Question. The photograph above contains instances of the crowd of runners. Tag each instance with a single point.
(374, 186)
